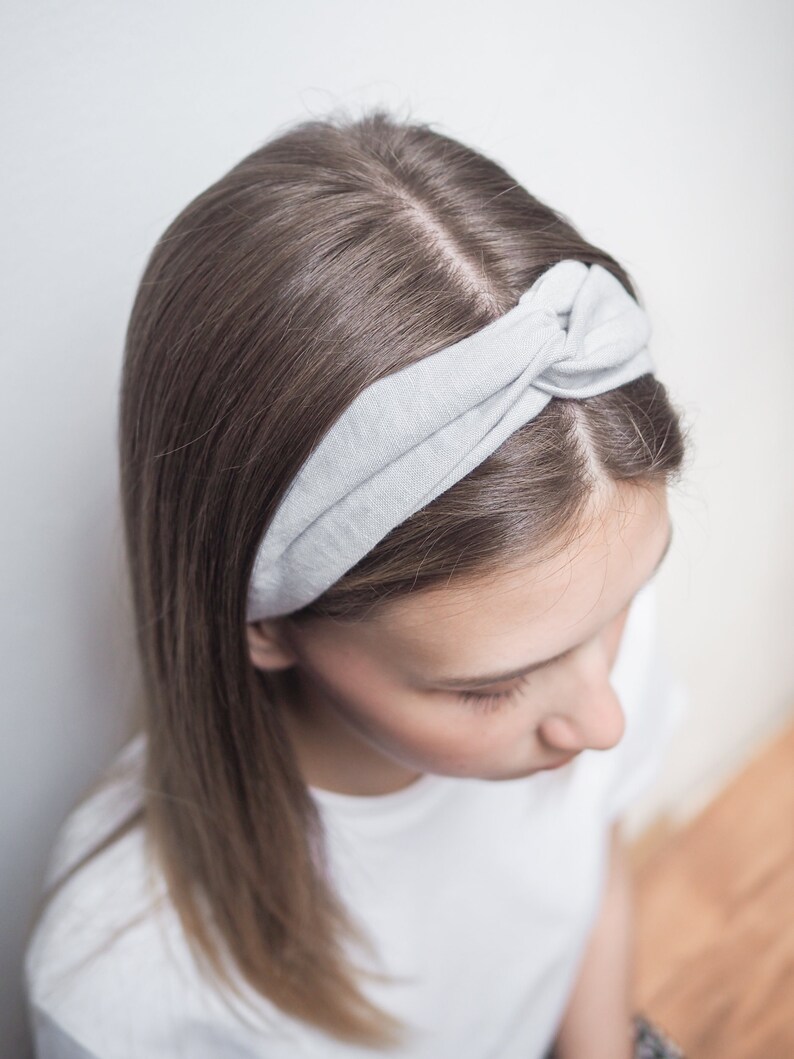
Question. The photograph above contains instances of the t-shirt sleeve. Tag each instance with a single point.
(108, 972)
(655, 703)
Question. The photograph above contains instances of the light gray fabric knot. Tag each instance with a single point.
(408, 437)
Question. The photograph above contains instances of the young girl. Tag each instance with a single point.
(394, 472)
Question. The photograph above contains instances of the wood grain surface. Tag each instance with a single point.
(715, 918)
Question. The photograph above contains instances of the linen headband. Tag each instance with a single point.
(409, 436)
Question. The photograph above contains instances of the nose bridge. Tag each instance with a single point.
(592, 717)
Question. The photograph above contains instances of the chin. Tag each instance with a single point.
(518, 773)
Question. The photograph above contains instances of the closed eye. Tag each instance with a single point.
(487, 702)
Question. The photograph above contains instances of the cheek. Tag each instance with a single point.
(421, 721)
(436, 733)
(459, 734)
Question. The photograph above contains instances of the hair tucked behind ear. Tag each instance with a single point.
(339, 252)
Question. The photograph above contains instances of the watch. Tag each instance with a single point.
(650, 1042)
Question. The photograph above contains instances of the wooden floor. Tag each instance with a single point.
(715, 919)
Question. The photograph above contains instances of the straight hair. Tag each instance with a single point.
(340, 251)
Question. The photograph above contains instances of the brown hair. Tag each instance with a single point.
(338, 252)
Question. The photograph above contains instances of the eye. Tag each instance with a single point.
(489, 703)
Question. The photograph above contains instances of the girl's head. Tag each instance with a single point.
(423, 683)
(334, 255)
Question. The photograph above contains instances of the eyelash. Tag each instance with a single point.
(489, 703)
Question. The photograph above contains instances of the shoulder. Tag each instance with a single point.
(108, 971)
(86, 942)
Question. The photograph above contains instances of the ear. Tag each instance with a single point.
(267, 646)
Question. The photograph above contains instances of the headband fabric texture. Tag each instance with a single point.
(411, 435)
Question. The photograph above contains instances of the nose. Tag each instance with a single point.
(595, 718)
(595, 722)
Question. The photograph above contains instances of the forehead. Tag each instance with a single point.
(554, 601)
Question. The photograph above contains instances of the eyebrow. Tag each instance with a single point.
(497, 678)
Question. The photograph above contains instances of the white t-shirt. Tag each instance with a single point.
(479, 895)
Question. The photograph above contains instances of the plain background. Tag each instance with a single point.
(662, 130)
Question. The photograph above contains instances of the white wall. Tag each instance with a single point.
(662, 130)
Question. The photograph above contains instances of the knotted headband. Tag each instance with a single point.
(409, 436)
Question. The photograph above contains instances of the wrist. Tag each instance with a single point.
(612, 1043)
